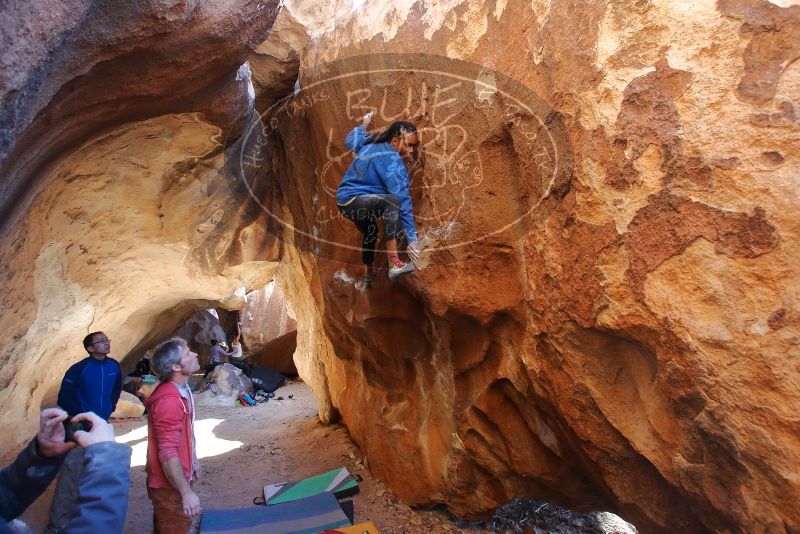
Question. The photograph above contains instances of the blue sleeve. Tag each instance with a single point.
(394, 176)
(23, 481)
(356, 138)
(68, 393)
(115, 393)
(102, 501)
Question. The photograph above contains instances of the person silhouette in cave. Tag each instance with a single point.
(218, 352)
(237, 357)
(376, 186)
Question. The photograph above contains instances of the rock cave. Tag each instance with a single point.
(607, 315)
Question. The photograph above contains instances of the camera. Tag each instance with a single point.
(70, 427)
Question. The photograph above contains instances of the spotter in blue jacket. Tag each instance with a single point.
(91, 385)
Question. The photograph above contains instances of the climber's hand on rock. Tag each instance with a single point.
(413, 251)
(367, 119)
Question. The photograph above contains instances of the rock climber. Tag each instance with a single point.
(375, 187)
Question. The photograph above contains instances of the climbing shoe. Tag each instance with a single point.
(399, 268)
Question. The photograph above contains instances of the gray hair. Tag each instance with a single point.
(166, 355)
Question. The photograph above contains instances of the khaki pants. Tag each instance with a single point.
(66, 492)
(168, 516)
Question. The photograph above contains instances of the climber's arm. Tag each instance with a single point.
(356, 138)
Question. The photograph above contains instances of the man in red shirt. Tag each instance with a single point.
(172, 465)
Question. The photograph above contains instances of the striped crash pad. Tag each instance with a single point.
(303, 516)
(361, 528)
(339, 482)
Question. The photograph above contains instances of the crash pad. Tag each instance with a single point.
(338, 481)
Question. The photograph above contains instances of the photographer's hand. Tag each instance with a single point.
(100, 432)
(50, 439)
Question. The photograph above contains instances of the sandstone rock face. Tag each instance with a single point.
(268, 331)
(72, 68)
(276, 62)
(608, 314)
(617, 324)
(119, 212)
(129, 406)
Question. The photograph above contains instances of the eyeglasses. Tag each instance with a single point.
(101, 341)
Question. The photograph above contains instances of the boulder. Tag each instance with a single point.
(613, 322)
(269, 331)
(198, 330)
(230, 380)
(209, 398)
(128, 406)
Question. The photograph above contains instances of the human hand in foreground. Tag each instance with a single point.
(367, 119)
(50, 439)
(101, 431)
(191, 503)
(413, 251)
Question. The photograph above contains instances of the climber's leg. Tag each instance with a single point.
(392, 231)
(391, 250)
(369, 240)
(362, 213)
(390, 208)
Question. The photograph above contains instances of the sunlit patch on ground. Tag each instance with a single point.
(208, 444)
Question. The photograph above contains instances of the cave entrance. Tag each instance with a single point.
(256, 341)
(240, 448)
(264, 327)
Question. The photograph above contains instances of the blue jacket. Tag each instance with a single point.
(91, 385)
(102, 501)
(377, 169)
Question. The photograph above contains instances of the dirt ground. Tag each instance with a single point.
(241, 449)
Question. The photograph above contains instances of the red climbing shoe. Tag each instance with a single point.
(400, 267)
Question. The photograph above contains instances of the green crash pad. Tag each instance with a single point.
(338, 481)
